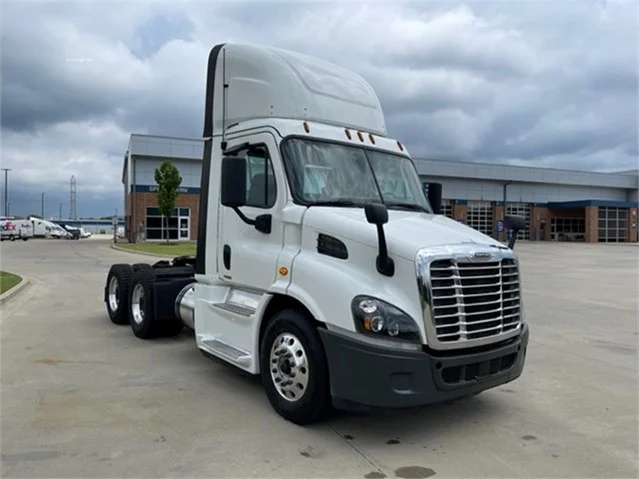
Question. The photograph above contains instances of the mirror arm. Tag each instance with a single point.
(243, 217)
(262, 223)
(513, 238)
(385, 264)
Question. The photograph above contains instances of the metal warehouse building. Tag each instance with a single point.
(559, 205)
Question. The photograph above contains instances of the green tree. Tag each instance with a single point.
(168, 180)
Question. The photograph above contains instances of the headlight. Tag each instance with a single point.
(378, 318)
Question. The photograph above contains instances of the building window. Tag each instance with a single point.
(567, 229)
(480, 216)
(178, 227)
(520, 209)
(613, 224)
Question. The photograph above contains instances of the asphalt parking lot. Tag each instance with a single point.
(82, 397)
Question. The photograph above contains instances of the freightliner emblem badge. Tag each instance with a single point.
(481, 256)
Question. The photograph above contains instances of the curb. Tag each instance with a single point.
(143, 253)
(18, 288)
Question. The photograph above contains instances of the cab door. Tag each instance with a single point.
(247, 258)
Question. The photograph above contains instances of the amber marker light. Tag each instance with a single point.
(367, 323)
(283, 270)
(360, 136)
(371, 138)
(348, 133)
(306, 127)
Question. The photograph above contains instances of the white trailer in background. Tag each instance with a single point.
(321, 265)
(13, 229)
(47, 229)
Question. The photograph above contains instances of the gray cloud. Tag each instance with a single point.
(548, 84)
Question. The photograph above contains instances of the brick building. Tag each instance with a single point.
(144, 155)
(559, 205)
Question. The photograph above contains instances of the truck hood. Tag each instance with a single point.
(406, 231)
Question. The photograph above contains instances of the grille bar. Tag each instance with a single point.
(471, 301)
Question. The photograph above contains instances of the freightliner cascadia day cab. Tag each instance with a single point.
(321, 264)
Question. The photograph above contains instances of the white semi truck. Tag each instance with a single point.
(321, 265)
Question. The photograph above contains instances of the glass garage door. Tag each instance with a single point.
(520, 209)
(447, 208)
(613, 223)
(480, 216)
(178, 224)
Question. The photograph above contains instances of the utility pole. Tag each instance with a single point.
(42, 204)
(60, 211)
(6, 191)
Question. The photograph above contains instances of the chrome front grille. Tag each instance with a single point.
(468, 298)
(473, 301)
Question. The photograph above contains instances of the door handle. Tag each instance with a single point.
(227, 256)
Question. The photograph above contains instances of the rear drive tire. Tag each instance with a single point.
(139, 266)
(142, 304)
(117, 293)
(144, 323)
(294, 369)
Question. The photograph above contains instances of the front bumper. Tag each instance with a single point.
(368, 376)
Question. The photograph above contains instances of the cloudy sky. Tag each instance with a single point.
(546, 83)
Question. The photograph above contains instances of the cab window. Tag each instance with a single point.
(260, 178)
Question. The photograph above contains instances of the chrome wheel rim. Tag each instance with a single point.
(137, 304)
(114, 289)
(289, 367)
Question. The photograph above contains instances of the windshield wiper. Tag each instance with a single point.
(345, 203)
(408, 206)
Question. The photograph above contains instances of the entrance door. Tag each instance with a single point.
(184, 228)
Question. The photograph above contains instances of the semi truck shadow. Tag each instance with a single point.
(411, 424)
(435, 418)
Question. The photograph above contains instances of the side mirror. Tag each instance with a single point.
(234, 192)
(435, 197)
(515, 223)
(233, 181)
(376, 214)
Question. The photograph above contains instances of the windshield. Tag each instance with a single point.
(321, 173)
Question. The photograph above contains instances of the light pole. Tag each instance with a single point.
(60, 211)
(6, 191)
(42, 204)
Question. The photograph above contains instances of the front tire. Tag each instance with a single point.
(117, 293)
(294, 369)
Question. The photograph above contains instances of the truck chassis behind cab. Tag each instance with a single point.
(321, 265)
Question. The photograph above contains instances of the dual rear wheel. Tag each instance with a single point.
(130, 300)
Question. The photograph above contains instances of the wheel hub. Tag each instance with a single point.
(114, 290)
(137, 304)
(289, 367)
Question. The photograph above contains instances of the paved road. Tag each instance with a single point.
(84, 398)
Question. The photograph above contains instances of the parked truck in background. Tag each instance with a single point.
(321, 265)
(12, 229)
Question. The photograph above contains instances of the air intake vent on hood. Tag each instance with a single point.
(331, 247)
